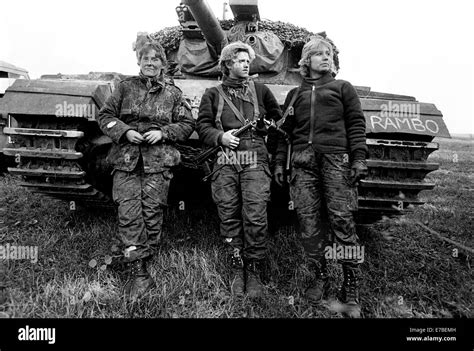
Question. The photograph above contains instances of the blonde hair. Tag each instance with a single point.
(309, 49)
(229, 54)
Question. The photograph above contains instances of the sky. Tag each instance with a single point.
(419, 48)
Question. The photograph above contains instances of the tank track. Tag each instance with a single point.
(48, 161)
(397, 169)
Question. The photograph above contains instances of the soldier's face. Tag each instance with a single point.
(150, 64)
(321, 60)
(240, 66)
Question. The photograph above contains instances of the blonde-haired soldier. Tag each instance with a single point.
(241, 188)
(327, 128)
(314, 47)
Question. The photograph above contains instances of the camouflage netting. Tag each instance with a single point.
(169, 37)
(293, 37)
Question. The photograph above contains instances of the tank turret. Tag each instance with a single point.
(203, 36)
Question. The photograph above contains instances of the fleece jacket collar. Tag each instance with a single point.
(309, 82)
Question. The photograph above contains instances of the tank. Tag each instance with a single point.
(60, 151)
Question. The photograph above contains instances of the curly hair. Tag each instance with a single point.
(230, 52)
(145, 44)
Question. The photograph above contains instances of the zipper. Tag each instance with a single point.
(312, 112)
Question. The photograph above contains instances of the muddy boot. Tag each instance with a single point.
(320, 285)
(254, 284)
(139, 281)
(350, 290)
(237, 282)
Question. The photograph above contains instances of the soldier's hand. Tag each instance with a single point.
(278, 175)
(230, 141)
(153, 136)
(358, 171)
(134, 137)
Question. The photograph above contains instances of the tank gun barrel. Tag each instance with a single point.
(207, 22)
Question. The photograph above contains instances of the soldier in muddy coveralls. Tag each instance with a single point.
(240, 189)
(327, 127)
(144, 116)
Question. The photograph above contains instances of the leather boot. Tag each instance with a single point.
(237, 282)
(320, 285)
(254, 283)
(139, 281)
(350, 290)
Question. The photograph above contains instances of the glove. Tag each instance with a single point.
(263, 125)
(358, 171)
(278, 175)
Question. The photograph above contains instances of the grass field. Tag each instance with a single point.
(407, 272)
